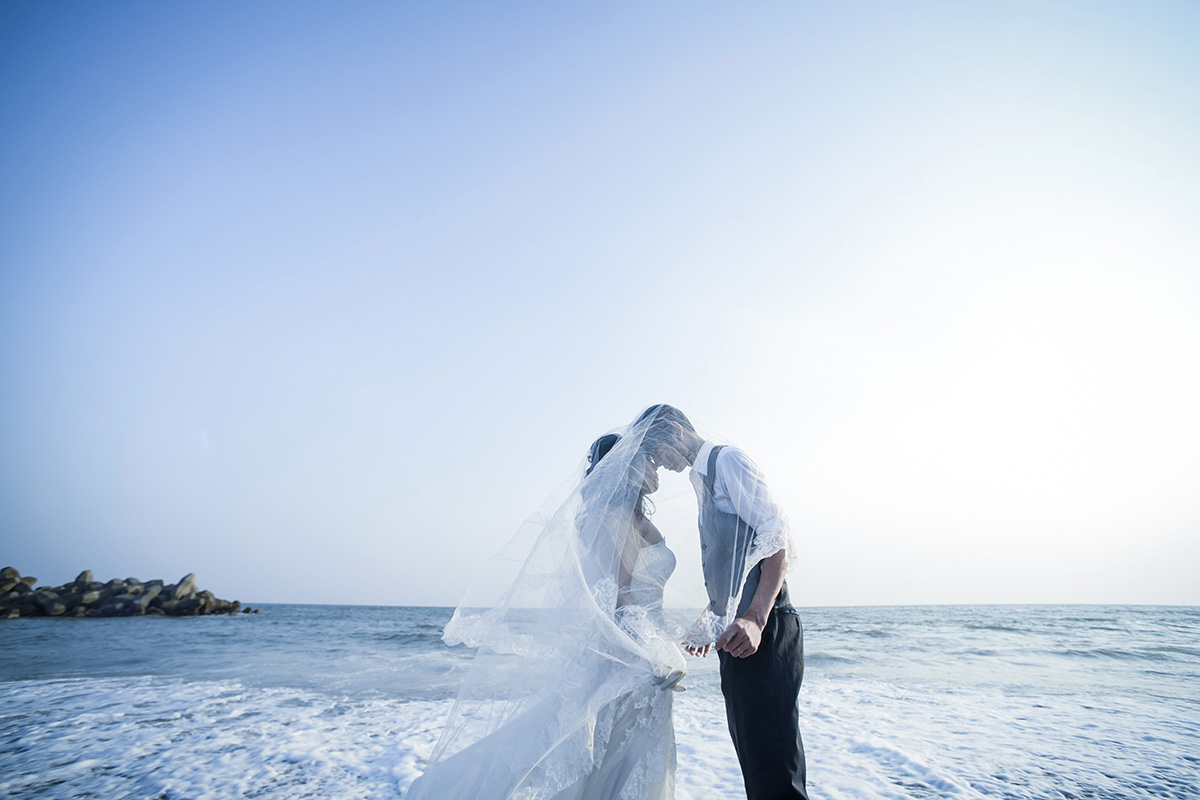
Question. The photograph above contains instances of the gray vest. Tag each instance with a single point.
(724, 543)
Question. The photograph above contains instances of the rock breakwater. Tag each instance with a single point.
(85, 597)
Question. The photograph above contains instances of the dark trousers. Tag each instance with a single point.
(760, 703)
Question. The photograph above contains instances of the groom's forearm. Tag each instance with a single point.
(774, 568)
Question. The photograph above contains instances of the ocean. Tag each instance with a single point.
(336, 702)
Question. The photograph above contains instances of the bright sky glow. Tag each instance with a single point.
(319, 301)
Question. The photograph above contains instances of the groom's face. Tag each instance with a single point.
(666, 449)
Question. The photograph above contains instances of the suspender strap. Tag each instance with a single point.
(711, 475)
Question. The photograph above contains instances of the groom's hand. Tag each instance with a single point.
(741, 638)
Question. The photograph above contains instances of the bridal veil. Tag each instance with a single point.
(572, 677)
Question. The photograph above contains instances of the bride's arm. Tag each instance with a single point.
(629, 554)
(641, 533)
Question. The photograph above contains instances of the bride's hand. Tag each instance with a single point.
(670, 681)
(699, 632)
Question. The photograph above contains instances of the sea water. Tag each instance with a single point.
(338, 702)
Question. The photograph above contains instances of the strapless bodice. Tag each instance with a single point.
(654, 566)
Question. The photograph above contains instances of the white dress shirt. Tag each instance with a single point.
(738, 488)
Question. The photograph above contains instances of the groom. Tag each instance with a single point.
(762, 650)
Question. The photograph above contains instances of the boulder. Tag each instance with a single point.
(86, 597)
(143, 600)
(69, 602)
(131, 602)
(186, 606)
(117, 606)
(45, 600)
(185, 588)
(25, 604)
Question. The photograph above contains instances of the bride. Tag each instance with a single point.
(569, 695)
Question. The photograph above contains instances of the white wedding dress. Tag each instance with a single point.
(569, 694)
(599, 731)
(638, 761)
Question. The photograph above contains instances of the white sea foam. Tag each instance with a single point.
(172, 738)
(890, 711)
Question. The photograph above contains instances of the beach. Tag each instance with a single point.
(347, 701)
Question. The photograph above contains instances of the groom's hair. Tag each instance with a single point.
(661, 414)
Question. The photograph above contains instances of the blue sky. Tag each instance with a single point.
(306, 297)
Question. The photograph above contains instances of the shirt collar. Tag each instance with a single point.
(701, 462)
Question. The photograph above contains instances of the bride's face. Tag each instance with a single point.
(649, 477)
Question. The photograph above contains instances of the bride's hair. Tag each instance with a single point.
(598, 450)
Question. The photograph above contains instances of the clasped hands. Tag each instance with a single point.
(740, 639)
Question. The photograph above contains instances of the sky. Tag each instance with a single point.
(319, 301)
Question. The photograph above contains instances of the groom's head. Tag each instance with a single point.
(670, 440)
